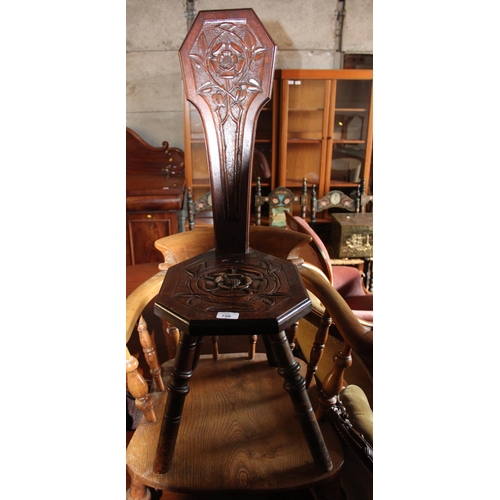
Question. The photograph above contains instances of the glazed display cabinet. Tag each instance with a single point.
(325, 128)
(317, 125)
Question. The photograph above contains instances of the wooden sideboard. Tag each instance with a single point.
(155, 194)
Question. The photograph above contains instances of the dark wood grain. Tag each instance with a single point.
(228, 66)
(254, 452)
(154, 194)
(143, 157)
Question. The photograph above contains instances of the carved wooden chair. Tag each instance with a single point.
(239, 432)
(338, 199)
(227, 61)
(280, 201)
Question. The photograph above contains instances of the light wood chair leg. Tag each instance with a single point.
(150, 354)
(139, 389)
(252, 347)
(138, 491)
(295, 385)
(318, 347)
(215, 346)
(172, 339)
(334, 381)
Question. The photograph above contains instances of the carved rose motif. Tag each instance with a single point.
(233, 281)
(234, 287)
(227, 60)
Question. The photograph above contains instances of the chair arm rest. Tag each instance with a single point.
(352, 331)
(139, 299)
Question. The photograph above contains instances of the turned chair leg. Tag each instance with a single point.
(172, 339)
(252, 339)
(215, 346)
(318, 347)
(138, 491)
(178, 387)
(271, 359)
(139, 389)
(295, 385)
(149, 350)
(334, 381)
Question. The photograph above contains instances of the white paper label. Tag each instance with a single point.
(228, 315)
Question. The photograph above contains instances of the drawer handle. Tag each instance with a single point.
(149, 216)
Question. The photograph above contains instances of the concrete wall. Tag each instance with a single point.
(306, 34)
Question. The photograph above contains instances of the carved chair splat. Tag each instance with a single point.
(227, 63)
(280, 202)
(196, 206)
(337, 199)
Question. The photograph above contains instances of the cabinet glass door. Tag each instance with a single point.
(265, 139)
(197, 177)
(351, 144)
(304, 119)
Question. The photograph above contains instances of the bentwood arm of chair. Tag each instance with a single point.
(352, 331)
(356, 337)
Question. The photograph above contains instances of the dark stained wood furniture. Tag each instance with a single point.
(155, 192)
(227, 62)
(239, 431)
(248, 452)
